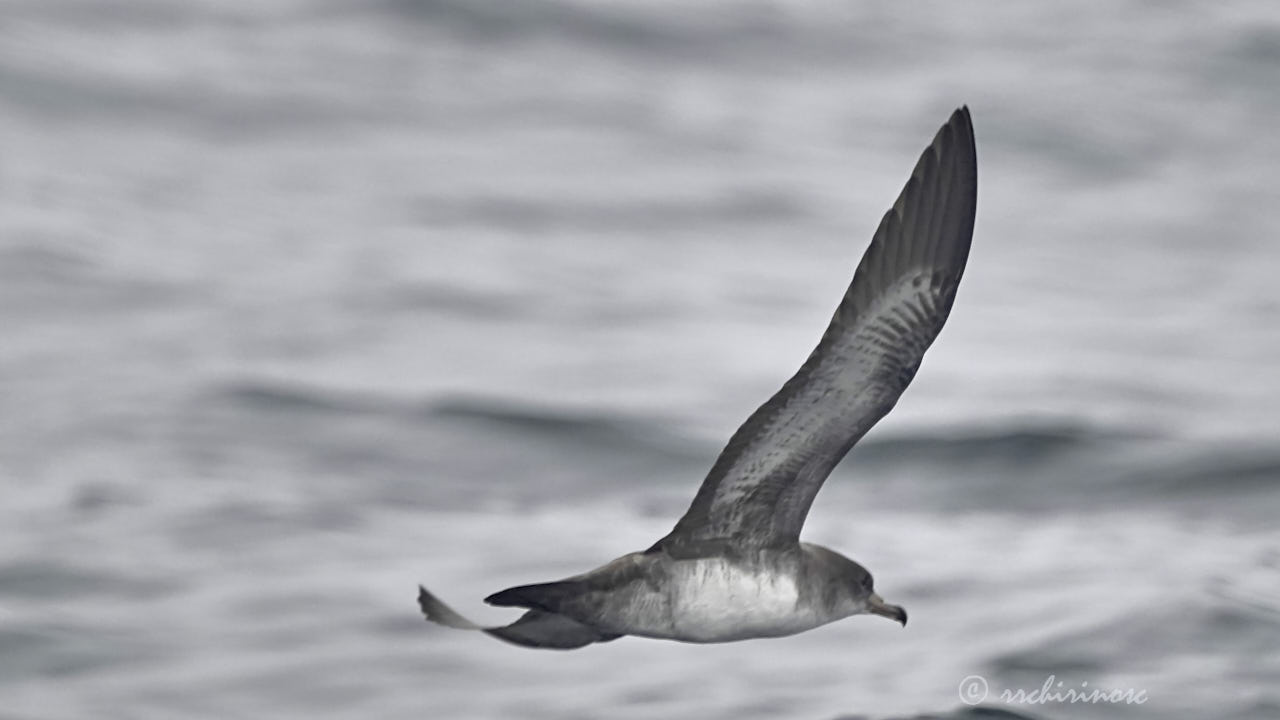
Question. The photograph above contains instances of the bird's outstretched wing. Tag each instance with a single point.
(760, 488)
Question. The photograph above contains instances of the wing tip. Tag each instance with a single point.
(961, 124)
(955, 137)
(961, 121)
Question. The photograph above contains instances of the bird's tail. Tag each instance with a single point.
(535, 629)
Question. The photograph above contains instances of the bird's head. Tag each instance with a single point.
(848, 587)
(862, 588)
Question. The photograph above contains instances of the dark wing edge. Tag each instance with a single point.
(760, 488)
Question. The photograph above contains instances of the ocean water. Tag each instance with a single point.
(307, 302)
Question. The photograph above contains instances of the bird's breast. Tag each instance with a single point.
(716, 600)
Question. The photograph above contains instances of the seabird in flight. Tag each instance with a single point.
(734, 566)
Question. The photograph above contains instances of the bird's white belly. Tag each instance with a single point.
(713, 600)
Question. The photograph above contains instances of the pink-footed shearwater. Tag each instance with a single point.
(734, 566)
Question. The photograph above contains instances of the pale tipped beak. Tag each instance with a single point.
(877, 606)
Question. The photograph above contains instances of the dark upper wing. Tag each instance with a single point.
(760, 489)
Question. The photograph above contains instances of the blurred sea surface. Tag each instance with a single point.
(307, 302)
